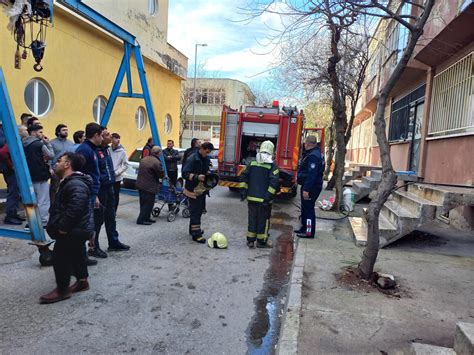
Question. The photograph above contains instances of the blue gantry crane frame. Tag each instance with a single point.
(131, 49)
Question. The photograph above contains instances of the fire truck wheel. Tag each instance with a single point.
(294, 191)
(46, 257)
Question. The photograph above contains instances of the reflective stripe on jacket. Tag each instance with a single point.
(260, 181)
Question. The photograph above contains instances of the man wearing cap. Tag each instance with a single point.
(310, 177)
(259, 183)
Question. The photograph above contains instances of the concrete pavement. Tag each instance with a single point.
(434, 268)
(166, 295)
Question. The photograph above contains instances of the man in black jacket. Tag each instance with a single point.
(171, 160)
(195, 144)
(71, 224)
(194, 173)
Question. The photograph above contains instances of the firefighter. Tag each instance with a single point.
(259, 183)
(310, 177)
(194, 173)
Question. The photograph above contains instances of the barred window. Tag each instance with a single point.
(401, 121)
(452, 105)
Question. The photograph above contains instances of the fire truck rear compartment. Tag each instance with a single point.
(249, 143)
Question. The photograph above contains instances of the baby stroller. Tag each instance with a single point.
(174, 197)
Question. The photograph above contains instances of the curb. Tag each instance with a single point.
(288, 340)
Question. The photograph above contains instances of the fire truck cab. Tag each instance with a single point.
(243, 132)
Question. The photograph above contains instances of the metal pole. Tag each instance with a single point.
(194, 90)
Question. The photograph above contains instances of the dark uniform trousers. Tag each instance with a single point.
(259, 222)
(69, 259)
(308, 215)
(147, 201)
(196, 206)
(173, 176)
(13, 195)
(105, 214)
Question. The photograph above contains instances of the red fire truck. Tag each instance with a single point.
(243, 132)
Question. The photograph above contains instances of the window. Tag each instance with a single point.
(98, 109)
(168, 123)
(216, 131)
(38, 97)
(374, 64)
(452, 105)
(402, 119)
(140, 118)
(152, 7)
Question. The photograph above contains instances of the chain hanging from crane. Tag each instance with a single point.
(24, 16)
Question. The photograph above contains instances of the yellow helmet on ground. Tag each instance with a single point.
(217, 240)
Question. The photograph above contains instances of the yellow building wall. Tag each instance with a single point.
(81, 63)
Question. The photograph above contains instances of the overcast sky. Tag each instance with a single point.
(235, 47)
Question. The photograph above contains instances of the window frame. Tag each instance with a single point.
(167, 129)
(139, 110)
(152, 7)
(36, 82)
(94, 113)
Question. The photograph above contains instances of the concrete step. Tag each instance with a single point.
(425, 209)
(362, 190)
(359, 228)
(398, 215)
(425, 349)
(376, 174)
(464, 339)
(428, 193)
(447, 196)
(370, 181)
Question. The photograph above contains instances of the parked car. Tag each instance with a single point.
(130, 176)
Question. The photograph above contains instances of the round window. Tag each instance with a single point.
(98, 109)
(38, 97)
(140, 118)
(168, 123)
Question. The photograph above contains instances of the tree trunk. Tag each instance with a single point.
(330, 155)
(340, 160)
(389, 178)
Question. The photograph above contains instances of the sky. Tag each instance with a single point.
(237, 48)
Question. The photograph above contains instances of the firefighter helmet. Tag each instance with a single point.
(211, 181)
(217, 240)
(267, 147)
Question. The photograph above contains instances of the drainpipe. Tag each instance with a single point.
(426, 120)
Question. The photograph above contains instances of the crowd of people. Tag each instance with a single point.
(77, 186)
(63, 174)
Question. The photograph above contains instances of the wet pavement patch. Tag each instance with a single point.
(264, 328)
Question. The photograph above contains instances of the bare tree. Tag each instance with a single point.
(324, 54)
(186, 100)
(414, 21)
(350, 18)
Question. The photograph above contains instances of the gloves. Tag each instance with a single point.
(266, 203)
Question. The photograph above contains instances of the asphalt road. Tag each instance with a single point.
(166, 295)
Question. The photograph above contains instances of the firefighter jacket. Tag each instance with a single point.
(195, 165)
(259, 182)
(311, 170)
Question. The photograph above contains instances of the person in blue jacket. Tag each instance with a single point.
(310, 177)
